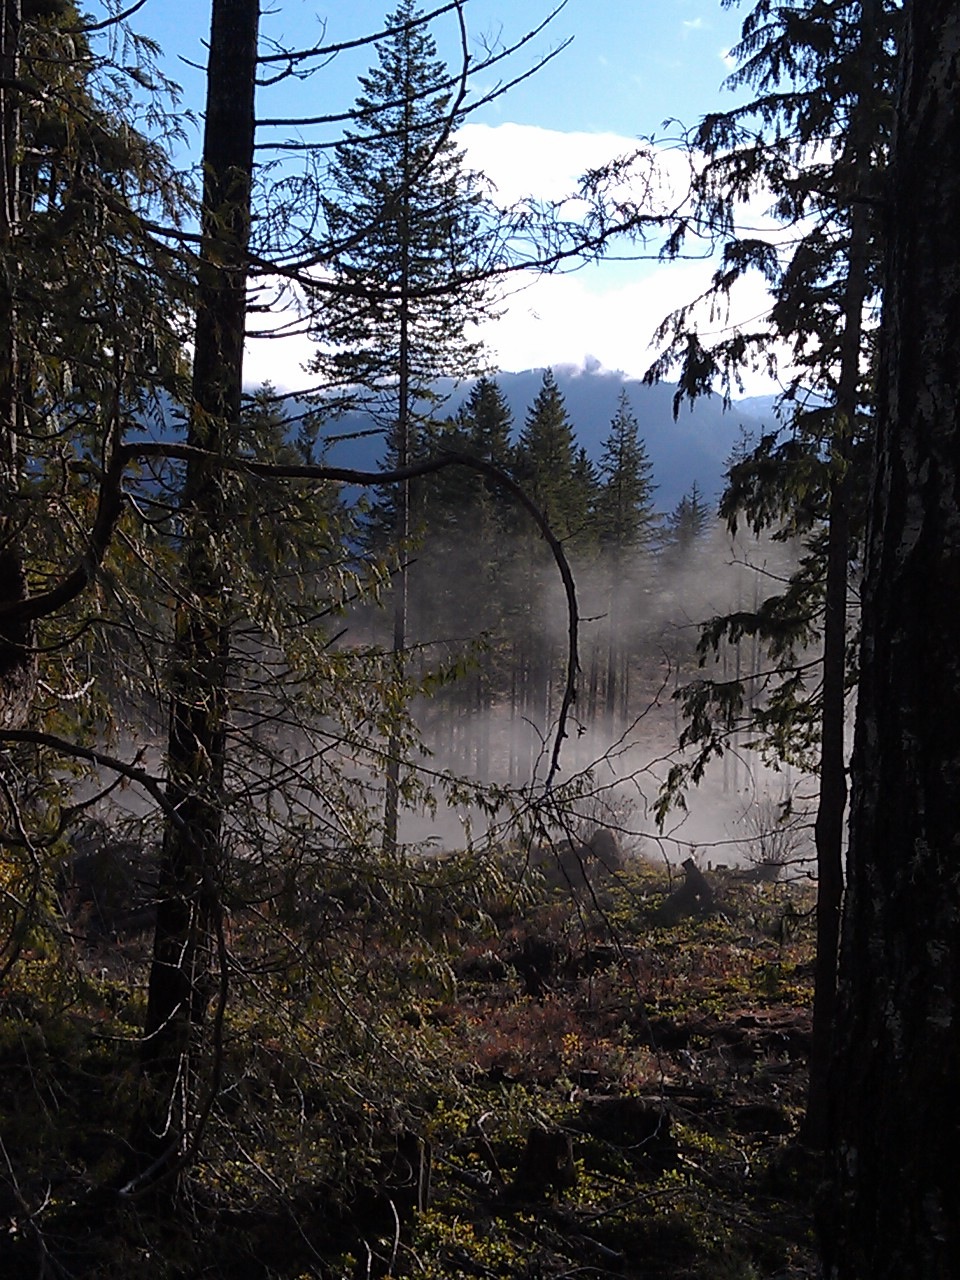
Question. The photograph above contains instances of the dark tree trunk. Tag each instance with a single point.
(391, 816)
(17, 661)
(190, 870)
(831, 810)
(895, 1204)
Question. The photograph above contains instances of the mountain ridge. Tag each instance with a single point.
(692, 448)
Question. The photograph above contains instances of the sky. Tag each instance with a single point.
(632, 69)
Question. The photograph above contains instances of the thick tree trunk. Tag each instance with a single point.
(190, 861)
(17, 663)
(831, 810)
(895, 1207)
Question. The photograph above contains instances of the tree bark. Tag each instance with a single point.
(391, 816)
(894, 1210)
(831, 809)
(190, 868)
(18, 667)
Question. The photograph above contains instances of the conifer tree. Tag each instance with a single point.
(458, 592)
(892, 1206)
(462, 502)
(557, 479)
(815, 138)
(405, 221)
(226, 825)
(92, 322)
(191, 870)
(92, 309)
(625, 512)
(547, 459)
(485, 425)
(626, 525)
(488, 421)
(687, 522)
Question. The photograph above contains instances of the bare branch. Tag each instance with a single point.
(353, 116)
(111, 505)
(152, 785)
(330, 50)
(86, 27)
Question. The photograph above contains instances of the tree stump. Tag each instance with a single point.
(546, 1165)
(693, 898)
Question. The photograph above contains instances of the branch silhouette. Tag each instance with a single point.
(111, 502)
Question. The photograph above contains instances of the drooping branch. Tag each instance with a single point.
(153, 786)
(110, 507)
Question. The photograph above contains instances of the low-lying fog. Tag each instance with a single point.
(495, 724)
(638, 639)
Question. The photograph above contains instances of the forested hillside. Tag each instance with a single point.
(424, 834)
(693, 447)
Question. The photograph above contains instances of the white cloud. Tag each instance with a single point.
(605, 312)
(602, 315)
(523, 160)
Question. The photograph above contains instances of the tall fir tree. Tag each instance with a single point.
(626, 516)
(815, 138)
(558, 478)
(405, 223)
(626, 526)
(547, 459)
(191, 866)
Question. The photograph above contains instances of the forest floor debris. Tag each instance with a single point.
(567, 1086)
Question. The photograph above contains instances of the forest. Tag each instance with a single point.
(463, 867)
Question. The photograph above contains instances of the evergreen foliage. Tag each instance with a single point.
(626, 516)
(406, 247)
(405, 244)
(892, 1204)
(547, 461)
(92, 324)
(688, 521)
(815, 138)
(306, 1032)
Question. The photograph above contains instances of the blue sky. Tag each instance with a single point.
(631, 65)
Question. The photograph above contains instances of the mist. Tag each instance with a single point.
(495, 722)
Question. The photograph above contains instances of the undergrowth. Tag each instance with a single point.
(567, 1088)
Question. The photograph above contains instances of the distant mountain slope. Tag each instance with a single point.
(692, 448)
